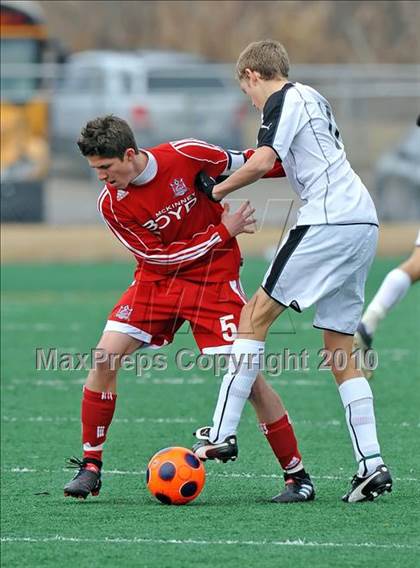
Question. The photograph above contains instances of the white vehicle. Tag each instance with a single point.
(163, 95)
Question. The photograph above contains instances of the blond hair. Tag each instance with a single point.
(268, 57)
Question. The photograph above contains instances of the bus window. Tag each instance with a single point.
(19, 86)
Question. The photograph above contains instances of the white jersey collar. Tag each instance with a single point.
(149, 171)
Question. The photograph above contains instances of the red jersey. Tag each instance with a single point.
(169, 226)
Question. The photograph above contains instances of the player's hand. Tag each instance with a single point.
(241, 221)
(205, 183)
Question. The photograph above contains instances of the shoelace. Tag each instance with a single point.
(74, 463)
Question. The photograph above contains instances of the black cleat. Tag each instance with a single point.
(87, 479)
(370, 487)
(219, 451)
(363, 341)
(299, 488)
(365, 338)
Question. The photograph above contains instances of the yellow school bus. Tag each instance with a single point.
(24, 111)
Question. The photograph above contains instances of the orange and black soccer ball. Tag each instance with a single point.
(175, 476)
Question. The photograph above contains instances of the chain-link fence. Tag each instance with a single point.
(375, 107)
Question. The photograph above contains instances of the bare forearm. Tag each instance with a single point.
(247, 174)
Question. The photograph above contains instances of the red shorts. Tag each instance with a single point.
(152, 312)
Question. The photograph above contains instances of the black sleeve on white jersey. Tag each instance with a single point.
(235, 161)
(272, 111)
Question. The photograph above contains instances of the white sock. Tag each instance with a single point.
(244, 364)
(392, 290)
(357, 399)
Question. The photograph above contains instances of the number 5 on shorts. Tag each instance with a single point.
(229, 329)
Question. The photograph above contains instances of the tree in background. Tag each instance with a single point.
(315, 32)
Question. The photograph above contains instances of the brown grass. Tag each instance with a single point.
(48, 243)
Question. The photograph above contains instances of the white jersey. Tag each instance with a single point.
(297, 122)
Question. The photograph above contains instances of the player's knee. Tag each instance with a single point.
(412, 268)
(412, 265)
(106, 361)
(247, 310)
(254, 317)
(246, 317)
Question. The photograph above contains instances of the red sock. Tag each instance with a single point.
(282, 440)
(97, 412)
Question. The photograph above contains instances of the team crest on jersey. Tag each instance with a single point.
(178, 187)
(121, 194)
(124, 312)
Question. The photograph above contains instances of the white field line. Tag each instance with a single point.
(54, 383)
(61, 419)
(193, 542)
(240, 475)
(395, 354)
(76, 326)
(183, 420)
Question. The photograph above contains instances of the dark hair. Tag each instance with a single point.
(107, 137)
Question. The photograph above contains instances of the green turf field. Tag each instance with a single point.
(231, 524)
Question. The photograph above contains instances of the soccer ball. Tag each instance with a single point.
(175, 476)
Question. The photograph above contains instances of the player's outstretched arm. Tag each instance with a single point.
(258, 165)
(217, 164)
(276, 171)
